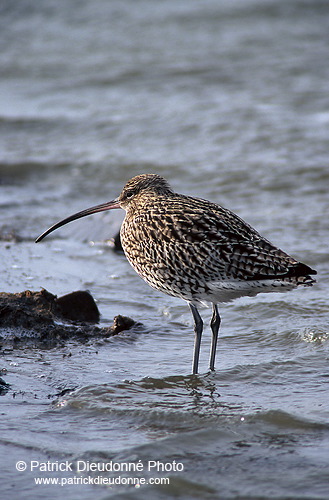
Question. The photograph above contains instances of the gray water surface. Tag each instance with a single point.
(229, 101)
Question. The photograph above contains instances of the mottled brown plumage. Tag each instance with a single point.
(196, 250)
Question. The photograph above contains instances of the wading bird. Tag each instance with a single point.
(196, 250)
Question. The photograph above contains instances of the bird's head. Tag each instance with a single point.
(141, 186)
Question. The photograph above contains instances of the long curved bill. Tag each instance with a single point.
(92, 210)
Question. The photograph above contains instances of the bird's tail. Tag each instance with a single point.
(301, 272)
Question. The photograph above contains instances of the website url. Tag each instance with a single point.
(101, 480)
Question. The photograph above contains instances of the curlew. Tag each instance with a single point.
(196, 250)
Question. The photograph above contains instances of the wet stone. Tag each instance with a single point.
(78, 306)
(42, 317)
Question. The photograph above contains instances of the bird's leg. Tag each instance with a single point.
(198, 327)
(215, 324)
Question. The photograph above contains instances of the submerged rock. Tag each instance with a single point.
(4, 387)
(41, 316)
(117, 246)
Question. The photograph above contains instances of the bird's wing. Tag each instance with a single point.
(225, 243)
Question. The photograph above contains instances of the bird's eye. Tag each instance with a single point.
(130, 193)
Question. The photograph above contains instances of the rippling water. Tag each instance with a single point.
(229, 101)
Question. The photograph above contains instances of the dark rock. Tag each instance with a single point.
(78, 306)
(116, 243)
(121, 323)
(42, 317)
(27, 309)
(4, 387)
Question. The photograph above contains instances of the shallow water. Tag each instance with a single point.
(228, 100)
